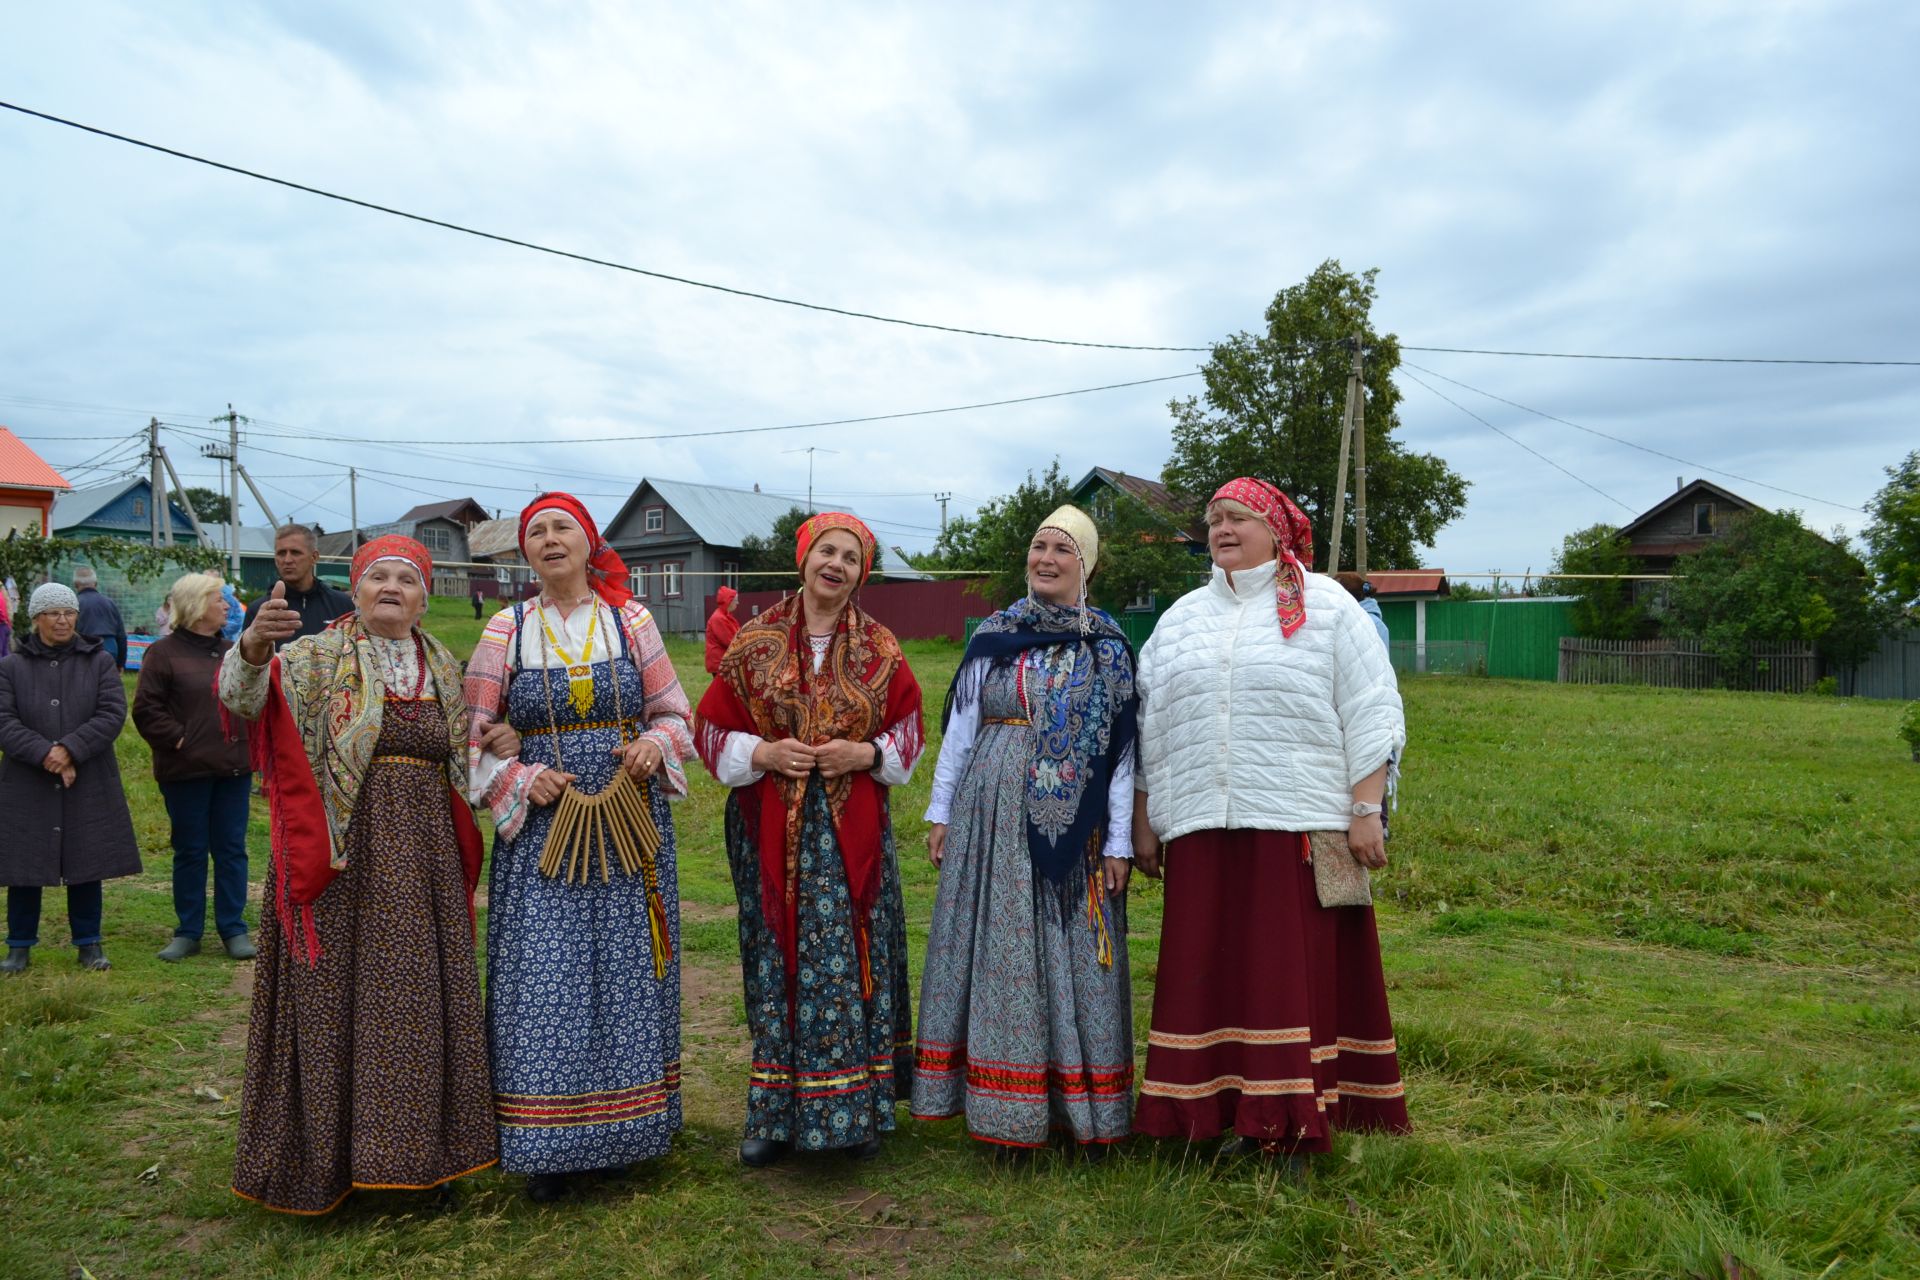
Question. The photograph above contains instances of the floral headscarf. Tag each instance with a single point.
(1292, 544)
(830, 520)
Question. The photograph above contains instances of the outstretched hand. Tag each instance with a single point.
(276, 622)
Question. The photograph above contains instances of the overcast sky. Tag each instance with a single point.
(1666, 179)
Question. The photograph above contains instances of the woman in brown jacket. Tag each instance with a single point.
(201, 765)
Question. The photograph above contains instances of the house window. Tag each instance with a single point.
(656, 519)
(731, 571)
(1141, 603)
(1103, 507)
(1703, 518)
(139, 507)
(439, 541)
(670, 579)
(640, 582)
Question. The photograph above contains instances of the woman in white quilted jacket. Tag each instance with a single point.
(1268, 711)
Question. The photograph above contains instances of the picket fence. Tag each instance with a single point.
(1677, 663)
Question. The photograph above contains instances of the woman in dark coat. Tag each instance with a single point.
(61, 707)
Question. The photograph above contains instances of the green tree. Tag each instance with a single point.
(211, 507)
(773, 553)
(1139, 554)
(1772, 580)
(1603, 609)
(1893, 535)
(1273, 408)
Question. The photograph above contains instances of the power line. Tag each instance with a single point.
(581, 257)
(1632, 444)
(1511, 440)
(1583, 355)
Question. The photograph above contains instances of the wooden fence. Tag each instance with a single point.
(1681, 664)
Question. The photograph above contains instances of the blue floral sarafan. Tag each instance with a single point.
(1084, 716)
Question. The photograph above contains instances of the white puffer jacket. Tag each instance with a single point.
(1240, 728)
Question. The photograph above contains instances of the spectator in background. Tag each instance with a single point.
(722, 627)
(479, 603)
(236, 612)
(204, 772)
(65, 813)
(1362, 590)
(296, 554)
(6, 624)
(99, 616)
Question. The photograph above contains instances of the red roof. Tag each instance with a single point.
(1408, 582)
(22, 468)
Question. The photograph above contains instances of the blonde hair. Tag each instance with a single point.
(1236, 507)
(189, 597)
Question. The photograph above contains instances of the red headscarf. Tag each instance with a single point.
(1292, 543)
(393, 546)
(827, 521)
(606, 571)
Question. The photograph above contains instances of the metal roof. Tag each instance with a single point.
(22, 468)
(722, 517)
(77, 506)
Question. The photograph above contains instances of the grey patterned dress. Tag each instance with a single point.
(1023, 1028)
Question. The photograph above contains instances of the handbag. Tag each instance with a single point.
(1338, 878)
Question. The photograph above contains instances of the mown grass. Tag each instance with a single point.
(1654, 975)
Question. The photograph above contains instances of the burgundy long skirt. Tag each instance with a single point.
(1270, 1011)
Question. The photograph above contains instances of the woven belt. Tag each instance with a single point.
(425, 764)
(585, 724)
(1006, 720)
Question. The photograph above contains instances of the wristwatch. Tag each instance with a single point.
(1362, 809)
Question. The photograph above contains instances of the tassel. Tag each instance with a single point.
(863, 944)
(1097, 904)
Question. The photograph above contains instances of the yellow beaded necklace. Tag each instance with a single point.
(579, 674)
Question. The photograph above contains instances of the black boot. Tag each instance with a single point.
(92, 957)
(868, 1150)
(545, 1188)
(18, 958)
(758, 1153)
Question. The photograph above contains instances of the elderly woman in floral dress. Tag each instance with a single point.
(1026, 1011)
(366, 1053)
(813, 717)
(1268, 712)
(583, 973)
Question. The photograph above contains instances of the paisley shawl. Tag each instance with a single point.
(1085, 714)
(767, 686)
(314, 746)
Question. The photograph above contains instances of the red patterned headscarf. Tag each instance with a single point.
(606, 571)
(393, 546)
(827, 521)
(1292, 543)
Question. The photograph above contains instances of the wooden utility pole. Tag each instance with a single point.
(156, 491)
(1357, 394)
(353, 509)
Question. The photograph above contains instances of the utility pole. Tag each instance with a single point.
(193, 517)
(942, 499)
(353, 510)
(1337, 531)
(156, 492)
(1358, 393)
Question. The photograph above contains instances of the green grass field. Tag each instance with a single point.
(1654, 973)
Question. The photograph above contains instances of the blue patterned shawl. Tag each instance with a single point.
(1085, 713)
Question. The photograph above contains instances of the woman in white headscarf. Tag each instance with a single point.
(1026, 1011)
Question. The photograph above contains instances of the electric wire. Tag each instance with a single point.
(1511, 440)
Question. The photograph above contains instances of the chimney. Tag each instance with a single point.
(1679, 483)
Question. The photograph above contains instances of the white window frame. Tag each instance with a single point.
(654, 520)
(731, 571)
(671, 585)
(640, 575)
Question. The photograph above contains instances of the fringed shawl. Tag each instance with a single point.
(1085, 715)
(313, 747)
(767, 686)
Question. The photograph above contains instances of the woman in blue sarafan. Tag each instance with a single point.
(583, 920)
(1026, 1010)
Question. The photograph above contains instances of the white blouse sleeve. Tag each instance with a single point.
(956, 748)
(734, 767)
(1119, 842)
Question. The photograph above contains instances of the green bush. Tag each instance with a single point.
(1910, 726)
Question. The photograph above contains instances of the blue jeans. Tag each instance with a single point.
(84, 910)
(209, 816)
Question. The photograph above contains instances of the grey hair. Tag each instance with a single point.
(84, 577)
(305, 531)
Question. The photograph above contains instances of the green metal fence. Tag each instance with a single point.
(1516, 639)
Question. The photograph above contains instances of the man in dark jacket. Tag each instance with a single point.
(296, 554)
(99, 616)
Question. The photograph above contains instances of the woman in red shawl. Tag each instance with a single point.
(722, 627)
(813, 716)
(366, 1052)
